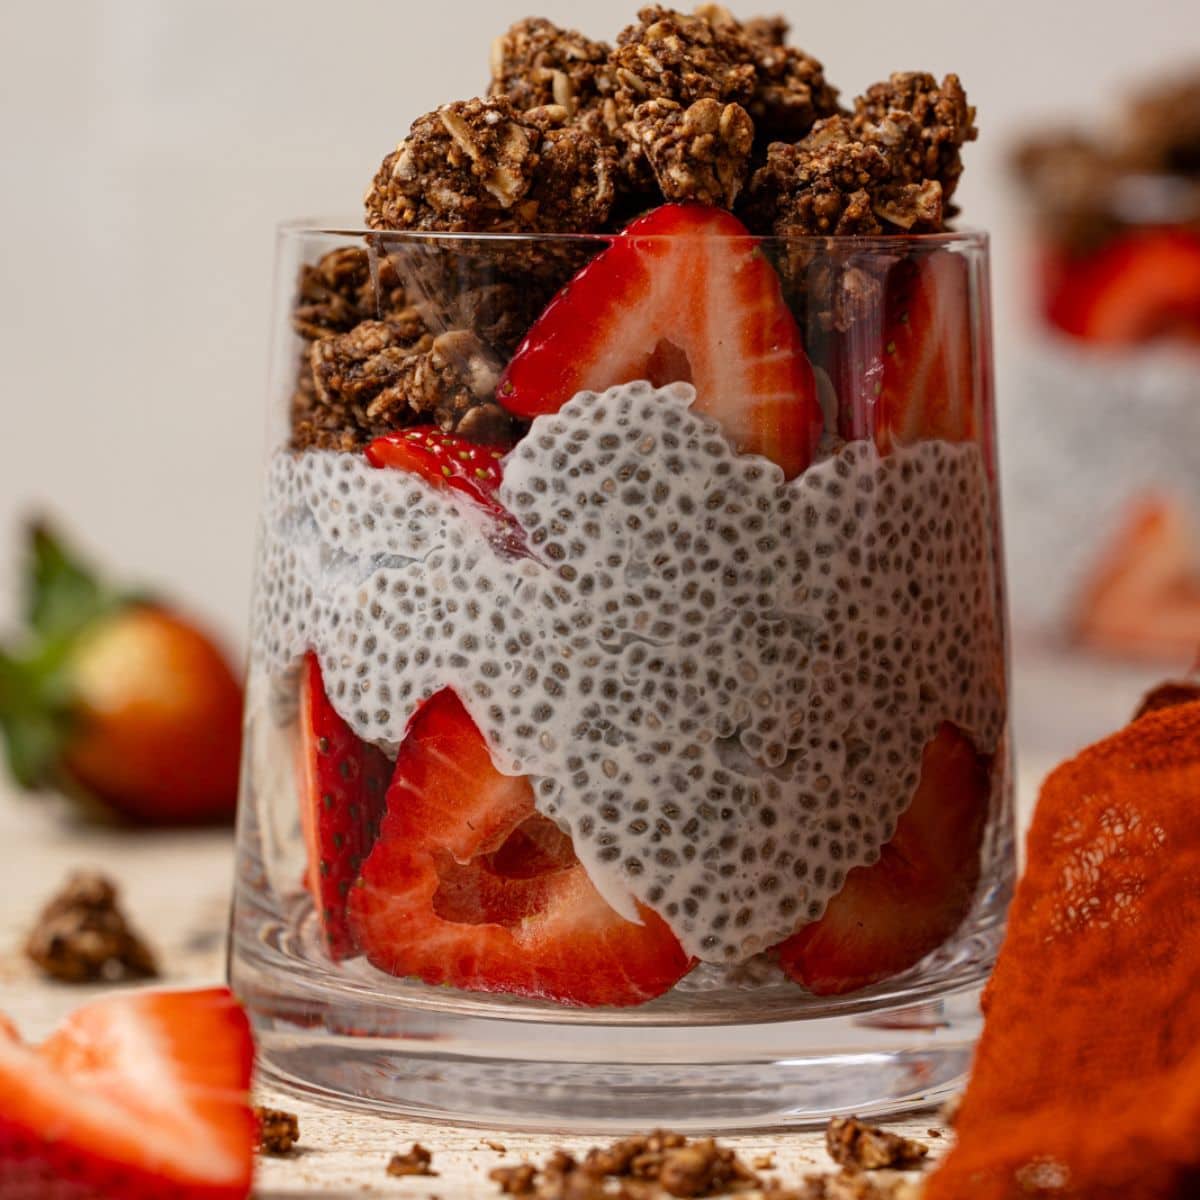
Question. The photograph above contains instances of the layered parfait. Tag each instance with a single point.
(1111, 383)
(627, 603)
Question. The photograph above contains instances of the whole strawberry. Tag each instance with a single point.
(118, 698)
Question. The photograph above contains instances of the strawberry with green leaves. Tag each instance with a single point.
(117, 698)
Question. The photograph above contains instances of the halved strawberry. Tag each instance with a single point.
(889, 915)
(443, 458)
(469, 886)
(136, 1097)
(345, 780)
(684, 292)
(1143, 597)
(913, 377)
(1137, 287)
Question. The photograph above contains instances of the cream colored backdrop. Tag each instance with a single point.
(147, 147)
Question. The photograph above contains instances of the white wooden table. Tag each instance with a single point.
(176, 888)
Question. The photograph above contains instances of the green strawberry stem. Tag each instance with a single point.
(63, 599)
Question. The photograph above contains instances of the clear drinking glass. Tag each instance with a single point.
(641, 757)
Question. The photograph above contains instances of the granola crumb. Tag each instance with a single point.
(278, 1131)
(933, 1133)
(851, 1185)
(417, 1161)
(853, 1143)
(498, 1147)
(763, 1162)
(515, 1181)
(83, 936)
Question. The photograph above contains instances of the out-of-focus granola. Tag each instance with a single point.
(535, 63)
(853, 1143)
(82, 935)
(278, 1131)
(417, 1161)
(1160, 130)
(646, 1165)
(850, 1185)
(481, 166)
(698, 153)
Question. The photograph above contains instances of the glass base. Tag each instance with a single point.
(582, 1079)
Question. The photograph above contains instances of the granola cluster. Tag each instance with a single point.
(1087, 185)
(577, 136)
(891, 167)
(644, 1166)
(83, 936)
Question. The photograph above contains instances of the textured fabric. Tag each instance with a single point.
(1086, 1084)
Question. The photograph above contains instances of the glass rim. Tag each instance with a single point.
(305, 227)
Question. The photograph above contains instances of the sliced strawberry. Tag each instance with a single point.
(684, 292)
(443, 458)
(889, 915)
(137, 1097)
(913, 377)
(469, 886)
(1143, 597)
(345, 780)
(1137, 287)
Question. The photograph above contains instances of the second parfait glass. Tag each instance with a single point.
(637, 751)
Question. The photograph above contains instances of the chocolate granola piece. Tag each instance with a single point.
(669, 56)
(823, 184)
(699, 153)
(278, 1131)
(536, 63)
(359, 385)
(338, 291)
(791, 92)
(446, 380)
(417, 1161)
(939, 122)
(482, 166)
(852, 1143)
(82, 935)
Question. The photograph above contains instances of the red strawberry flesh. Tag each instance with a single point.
(891, 914)
(469, 886)
(136, 1097)
(684, 292)
(912, 377)
(1136, 288)
(345, 780)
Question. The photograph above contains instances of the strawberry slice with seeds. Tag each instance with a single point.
(891, 914)
(135, 1097)
(683, 293)
(345, 780)
(1138, 287)
(913, 377)
(1143, 597)
(445, 459)
(468, 885)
